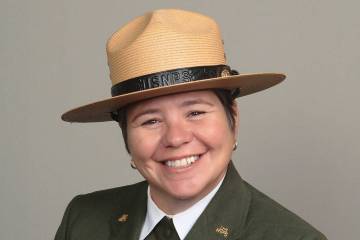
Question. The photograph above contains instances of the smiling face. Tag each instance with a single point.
(181, 144)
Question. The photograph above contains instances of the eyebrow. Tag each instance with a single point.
(183, 104)
(195, 101)
(147, 111)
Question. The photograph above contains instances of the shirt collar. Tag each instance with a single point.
(183, 221)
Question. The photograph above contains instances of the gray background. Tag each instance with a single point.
(298, 142)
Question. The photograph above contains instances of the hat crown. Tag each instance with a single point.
(163, 40)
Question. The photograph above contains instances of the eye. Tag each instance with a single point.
(194, 114)
(150, 122)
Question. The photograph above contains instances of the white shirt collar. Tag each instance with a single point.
(183, 221)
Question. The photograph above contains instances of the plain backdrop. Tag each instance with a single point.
(298, 141)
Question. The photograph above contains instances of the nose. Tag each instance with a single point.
(176, 134)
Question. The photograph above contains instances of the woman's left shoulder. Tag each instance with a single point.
(108, 197)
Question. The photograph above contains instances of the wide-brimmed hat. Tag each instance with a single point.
(164, 52)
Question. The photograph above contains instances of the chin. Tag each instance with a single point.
(184, 196)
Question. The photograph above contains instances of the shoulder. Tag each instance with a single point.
(87, 216)
(267, 219)
(108, 198)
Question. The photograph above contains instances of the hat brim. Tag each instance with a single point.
(100, 111)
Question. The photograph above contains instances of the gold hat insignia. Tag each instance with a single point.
(225, 73)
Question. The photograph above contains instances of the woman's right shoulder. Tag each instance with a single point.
(109, 198)
(88, 215)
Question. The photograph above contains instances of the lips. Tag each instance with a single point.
(183, 162)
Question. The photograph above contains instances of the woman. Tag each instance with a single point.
(174, 99)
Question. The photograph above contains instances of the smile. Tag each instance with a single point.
(183, 162)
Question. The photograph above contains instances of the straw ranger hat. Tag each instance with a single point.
(164, 52)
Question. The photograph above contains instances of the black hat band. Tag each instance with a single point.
(171, 77)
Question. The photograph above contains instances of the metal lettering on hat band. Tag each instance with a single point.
(171, 77)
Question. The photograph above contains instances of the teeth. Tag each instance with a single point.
(184, 162)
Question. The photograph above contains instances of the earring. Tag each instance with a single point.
(235, 146)
(132, 164)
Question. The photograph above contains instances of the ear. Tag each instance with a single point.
(237, 119)
(132, 164)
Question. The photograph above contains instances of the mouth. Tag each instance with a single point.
(183, 162)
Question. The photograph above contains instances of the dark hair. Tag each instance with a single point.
(226, 97)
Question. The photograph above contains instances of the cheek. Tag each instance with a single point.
(216, 132)
(141, 144)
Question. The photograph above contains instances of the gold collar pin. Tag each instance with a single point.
(123, 218)
(223, 231)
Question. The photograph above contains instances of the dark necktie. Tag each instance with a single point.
(164, 230)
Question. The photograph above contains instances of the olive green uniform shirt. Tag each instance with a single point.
(237, 211)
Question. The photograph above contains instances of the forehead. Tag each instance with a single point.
(179, 99)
